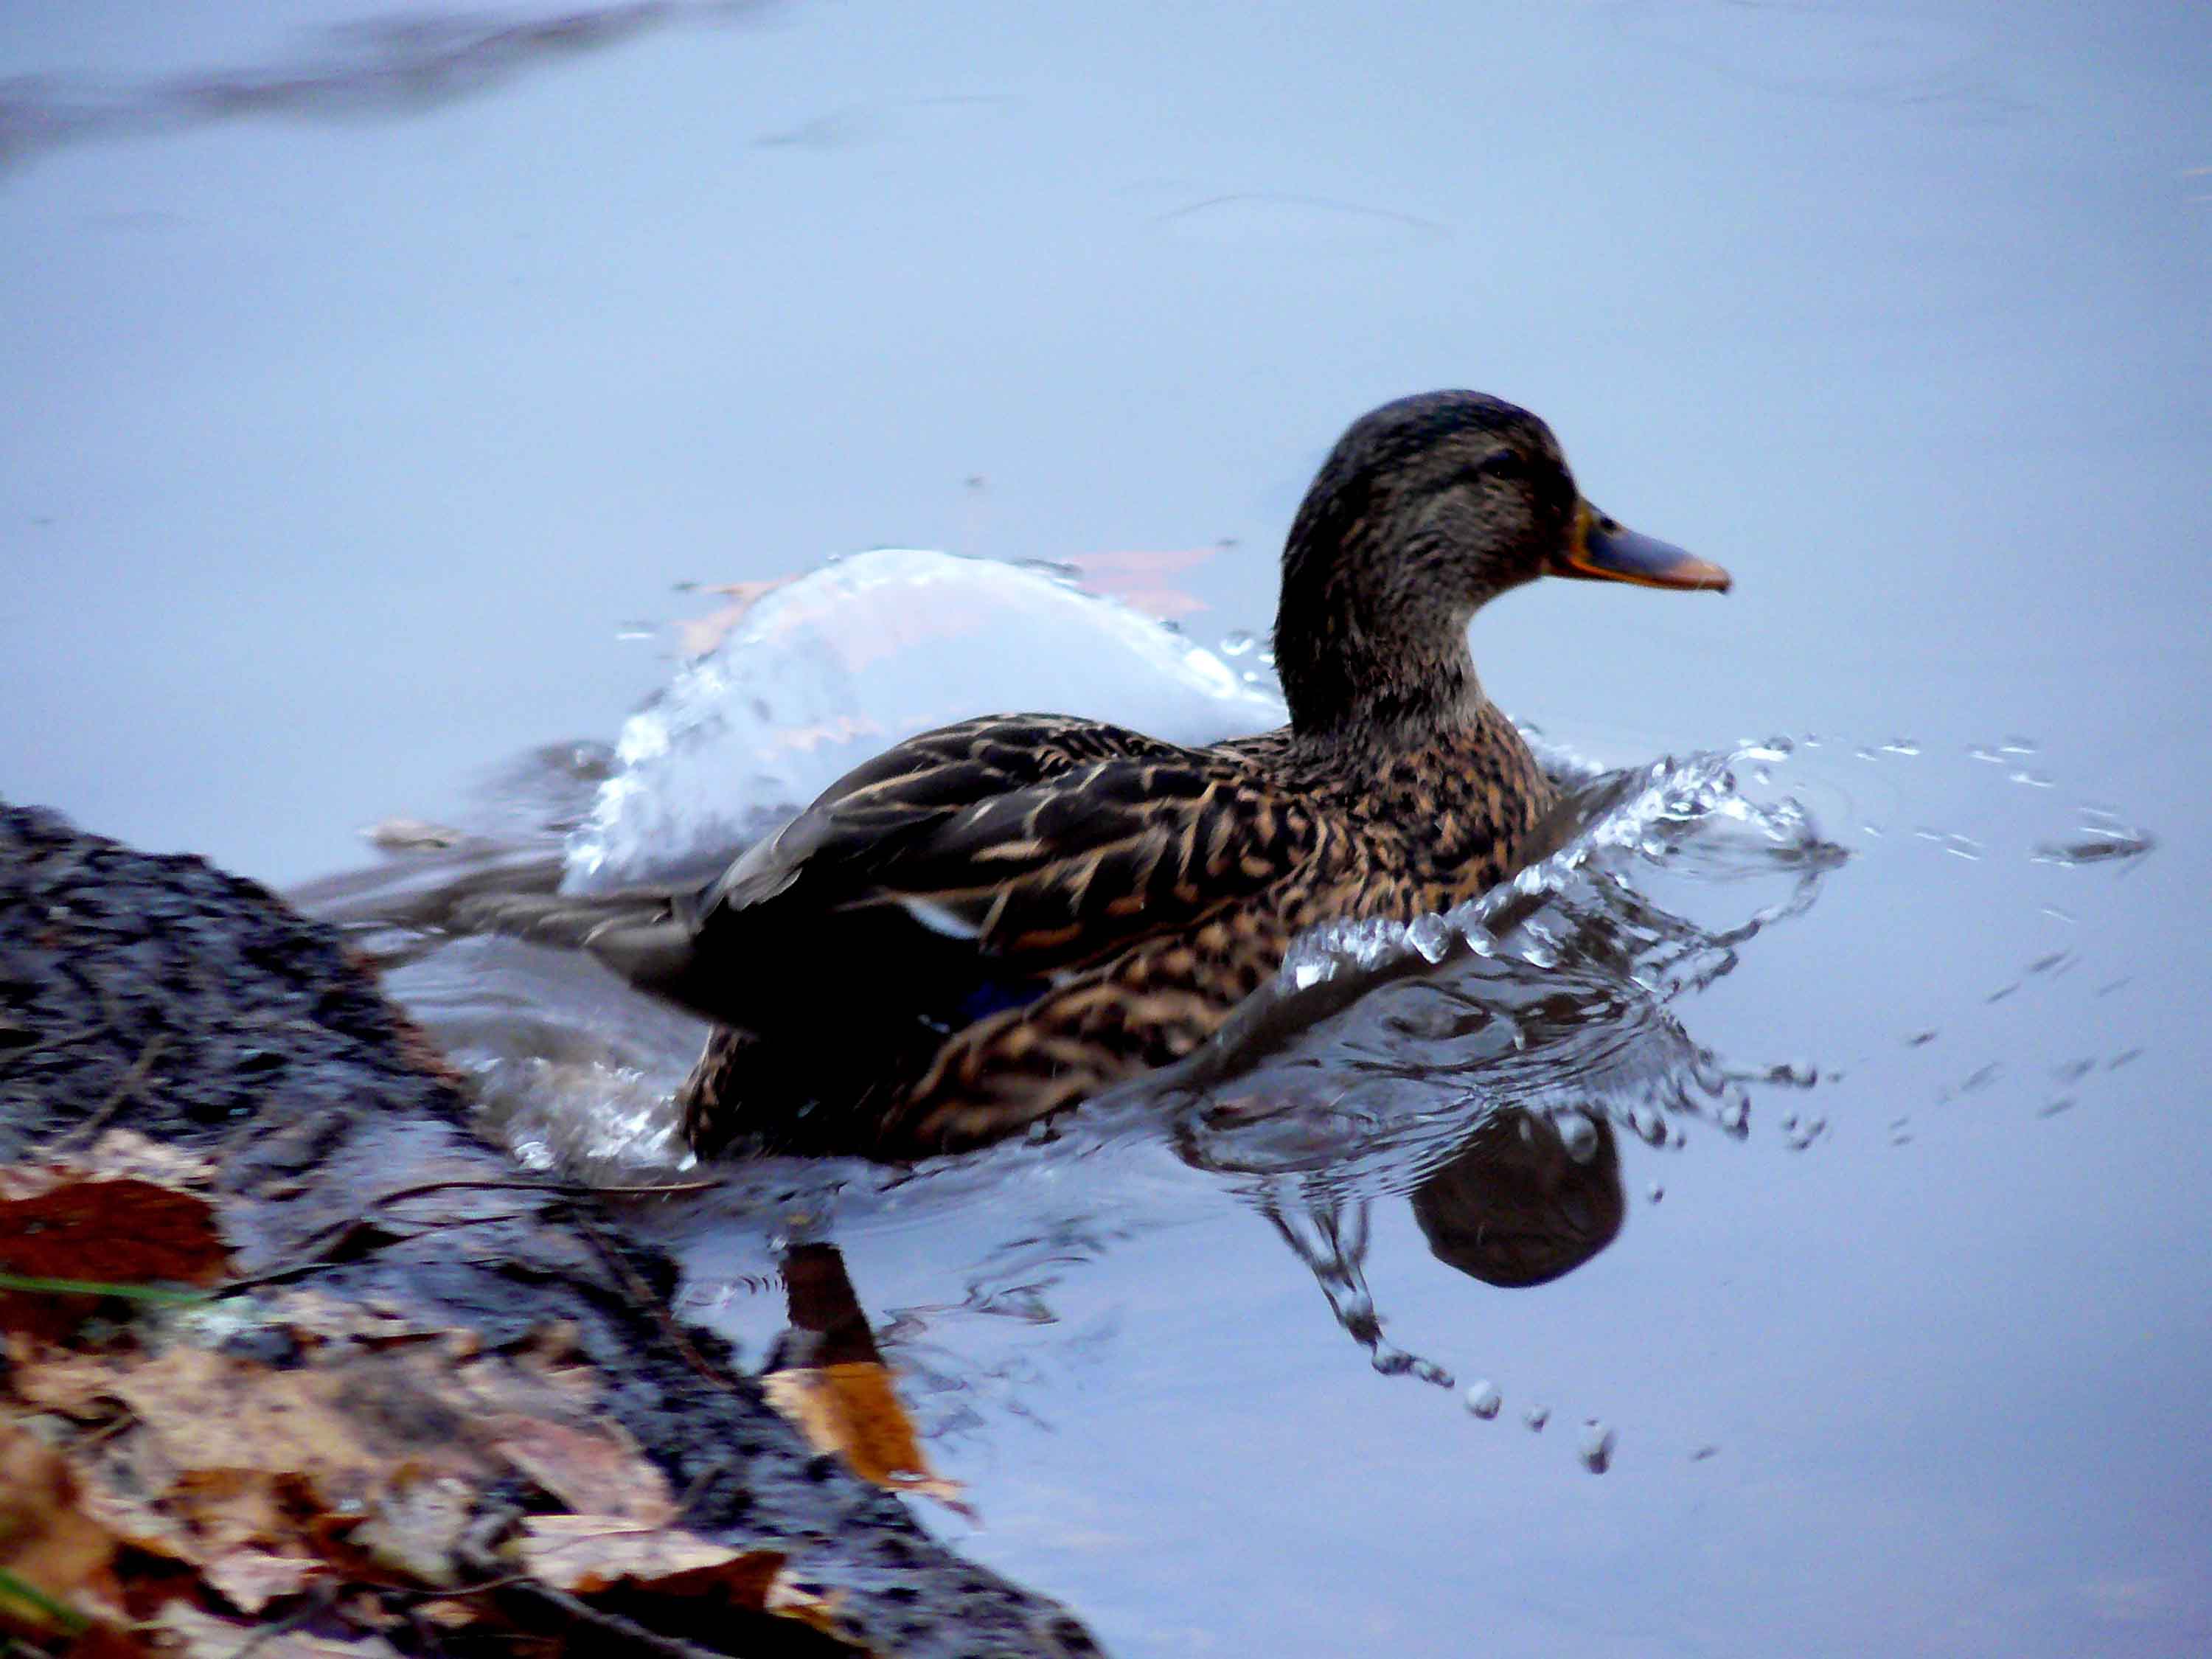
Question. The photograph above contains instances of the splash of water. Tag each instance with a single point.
(832, 668)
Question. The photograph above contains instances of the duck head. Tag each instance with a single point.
(1426, 509)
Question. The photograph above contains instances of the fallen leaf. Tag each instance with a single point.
(589, 1553)
(49, 1547)
(597, 1470)
(127, 1152)
(415, 1526)
(69, 1225)
(586, 1554)
(250, 1579)
(852, 1410)
(191, 1634)
(343, 1428)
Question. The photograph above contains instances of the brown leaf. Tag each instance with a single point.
(417, 1525)
(345, 1429)
(596, 1470)
(589, 1553)
(189, 1633)
(127, 1152)
(853, 1409)
(250, 1579)
(45, 1538)
(123, 1229)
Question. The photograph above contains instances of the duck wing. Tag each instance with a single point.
(967, 867)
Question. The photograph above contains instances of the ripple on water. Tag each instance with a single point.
(1491, 1066)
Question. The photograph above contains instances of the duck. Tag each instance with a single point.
(988, 924)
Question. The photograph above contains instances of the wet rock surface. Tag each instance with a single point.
(158, 994)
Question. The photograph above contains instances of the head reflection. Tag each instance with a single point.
(1529, 1196)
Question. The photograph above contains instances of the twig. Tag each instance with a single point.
(615, 1624)
(643, 1295)
(335, 1236)
(327, 1245)
(321, 1599)
(551, 1188)
(85, 1130)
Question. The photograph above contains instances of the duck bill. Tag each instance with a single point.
(1603, 550)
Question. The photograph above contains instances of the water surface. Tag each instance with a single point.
(368, 408)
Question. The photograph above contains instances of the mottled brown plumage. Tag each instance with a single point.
(992, 921)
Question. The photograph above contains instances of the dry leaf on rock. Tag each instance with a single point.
(124, 1229)
(415, 1526)
(46, 1540)
(596, 1470)
(586, 1554)
(127, 1152)
(250, 1579)
(589, 1553)
(344, 1429)
(853, 1409)
(188, 1633)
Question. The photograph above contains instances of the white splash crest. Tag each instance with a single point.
(845, 662)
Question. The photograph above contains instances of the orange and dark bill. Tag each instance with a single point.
(1603, 549)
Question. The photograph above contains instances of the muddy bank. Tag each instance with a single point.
(155, 995)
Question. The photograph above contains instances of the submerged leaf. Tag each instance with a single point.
(852, 1410)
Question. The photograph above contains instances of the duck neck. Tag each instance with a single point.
(1368, 665)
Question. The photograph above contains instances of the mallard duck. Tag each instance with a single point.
(989, 923)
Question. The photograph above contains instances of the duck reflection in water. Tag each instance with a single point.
(1527, 1197)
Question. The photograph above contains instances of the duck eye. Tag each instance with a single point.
(1500, 463)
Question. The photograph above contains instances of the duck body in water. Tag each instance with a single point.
(991, 922)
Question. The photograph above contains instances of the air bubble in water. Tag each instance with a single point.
(1535, 1416)
(1483, 1400)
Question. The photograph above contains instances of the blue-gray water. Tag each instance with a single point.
(352, 417)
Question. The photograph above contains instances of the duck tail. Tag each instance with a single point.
(644, 935)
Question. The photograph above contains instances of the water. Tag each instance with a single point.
(356, 420)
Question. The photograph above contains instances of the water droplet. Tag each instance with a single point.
(1920, 1039)
(635, 630)
(1983, 752)
(1905, 746)
(1535, 1416)
(2033, 779)
(2056, 914)
(1654, 1192)
(1735, 1113)
(1596, 1447)
(1432, 936)
(2064, 1103)
(1649, 1123)
(1236, 644)
(2125, 1057)
(1702, 1453)
(2002, 992)
(1483, 1400)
